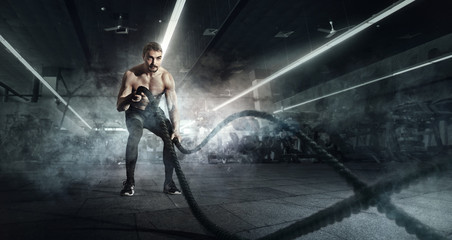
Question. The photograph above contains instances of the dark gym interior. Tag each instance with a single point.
(341, 119)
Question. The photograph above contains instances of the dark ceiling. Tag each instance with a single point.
(248, 42)
(70, 36)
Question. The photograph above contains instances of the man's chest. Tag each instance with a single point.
(154, 84)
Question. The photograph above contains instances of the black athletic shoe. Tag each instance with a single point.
(128, 189)
(171, 189)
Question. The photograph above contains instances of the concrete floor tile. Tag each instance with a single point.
(116, 205)
(426, 203)
(182, 221)
(367, 226)
(432, 217)
(259, 232)
(175, 220)
(299, 189)
(38, 211)
(268, 212)
(314, 200)
(332, 186)
(444, 195)
(68, 229)
(246, 194)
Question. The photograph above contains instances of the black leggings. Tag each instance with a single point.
(136, 121)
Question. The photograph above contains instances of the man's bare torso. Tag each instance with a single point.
(157, 80)
(154, 82)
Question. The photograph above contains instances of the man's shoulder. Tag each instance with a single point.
(132, 73)
(165, 73)
(128, 75)
(137, 70)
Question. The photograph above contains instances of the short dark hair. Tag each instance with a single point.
(152, 46)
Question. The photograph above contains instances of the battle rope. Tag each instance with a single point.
(365, 196)
(194, 207)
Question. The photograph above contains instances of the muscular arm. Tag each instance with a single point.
(171, 102)
(125, 94)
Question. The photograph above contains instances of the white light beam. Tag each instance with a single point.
(367, 83)
(172, 24)
(348, 34)
(38, 76)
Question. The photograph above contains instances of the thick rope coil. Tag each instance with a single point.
(365, 196)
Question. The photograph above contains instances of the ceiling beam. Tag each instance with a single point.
(223, 28)
(9, 89)
(39, 77)
(72, 10)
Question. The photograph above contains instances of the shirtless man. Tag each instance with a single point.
(141, 112)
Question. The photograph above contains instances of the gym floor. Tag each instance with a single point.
(81, 201)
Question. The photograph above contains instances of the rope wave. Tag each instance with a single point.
(376, 195)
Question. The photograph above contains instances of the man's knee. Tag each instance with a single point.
(135, 127)
(133, 141)
(130, 161)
